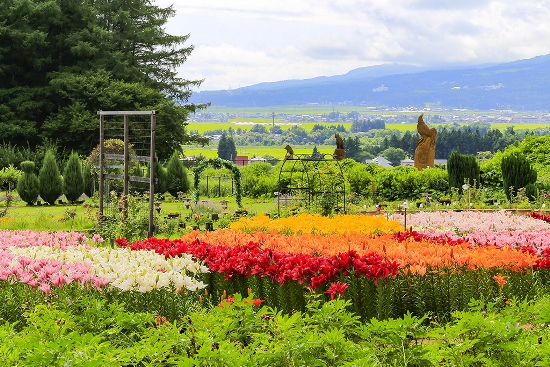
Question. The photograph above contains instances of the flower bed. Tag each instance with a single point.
(384, 274)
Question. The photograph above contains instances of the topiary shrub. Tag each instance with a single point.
(73, 182)
(176, 176)
(28, 184)
(161, 179)
(462, 168)
(516, 173)
(51, 184)
(88, 179)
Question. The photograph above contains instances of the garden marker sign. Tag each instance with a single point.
(137, 130)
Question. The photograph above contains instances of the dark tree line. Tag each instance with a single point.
(364, 126)
(464, 140)
(61, 61)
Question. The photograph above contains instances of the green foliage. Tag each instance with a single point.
(64, 61)
(258, 179)
(394, 155)
(84, 327)
(218, 163)
(51, 185)
(226, 148)
(88, 179)
(176, 176)
(28, 186)
(462, 169)
(73, 181)
(516, 173)
(128, 218)
(161, 182)
(9, 176)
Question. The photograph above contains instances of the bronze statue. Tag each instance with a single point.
(424, 154)
(289, 152)
(340, 152)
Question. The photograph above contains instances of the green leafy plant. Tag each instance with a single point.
(28, 185)
(51, 185)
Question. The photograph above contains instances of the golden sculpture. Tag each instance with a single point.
(340, 152)
(289, 152)
(424, 154)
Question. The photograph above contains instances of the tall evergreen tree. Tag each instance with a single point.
(176, 176)
(51, 185)
(462, 169)
(73, 182)
(231, 149)
(28, 185)
(516, 173)
(222, 147)
(88, 179)
(62, 61)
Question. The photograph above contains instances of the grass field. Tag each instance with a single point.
(211, 151)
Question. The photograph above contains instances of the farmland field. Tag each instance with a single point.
(211, 151)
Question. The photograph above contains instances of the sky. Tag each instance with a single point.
(238, 43)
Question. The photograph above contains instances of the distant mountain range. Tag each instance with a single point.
(518, 85)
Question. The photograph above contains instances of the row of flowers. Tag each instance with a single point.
(317, 224)
(249, 259)
(44, 260)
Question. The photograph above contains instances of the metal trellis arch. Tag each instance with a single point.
(304, 178)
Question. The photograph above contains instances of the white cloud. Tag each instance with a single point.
(245, 42)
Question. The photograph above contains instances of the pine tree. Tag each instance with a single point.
(516, 173)
(315, 153)
(51, 185)
(73, 182)
(87, 179)
(222, 147)
(28, 185)
(176, 176)
(160, 179)
(231, 150)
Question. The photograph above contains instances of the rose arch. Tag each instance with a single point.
(218, 163)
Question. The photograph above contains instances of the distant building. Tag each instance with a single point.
(410, 162)
(381, 161)
(241, 160)
(381, 88)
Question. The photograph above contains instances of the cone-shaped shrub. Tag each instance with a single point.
(28, 185)
(73, 182)
(160, 176)
(516, 173)
(88, 179)
(462, 168)
(51, 185)
(176, 176)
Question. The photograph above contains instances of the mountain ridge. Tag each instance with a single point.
(521, 84)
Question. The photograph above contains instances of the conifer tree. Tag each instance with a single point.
(462, 168)
(73, 182)
(516, 173)
(231, 150)
(51, 185)
(176, 176)
(87, 179)
(28, 185)
(160, 178)
(222, 147)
